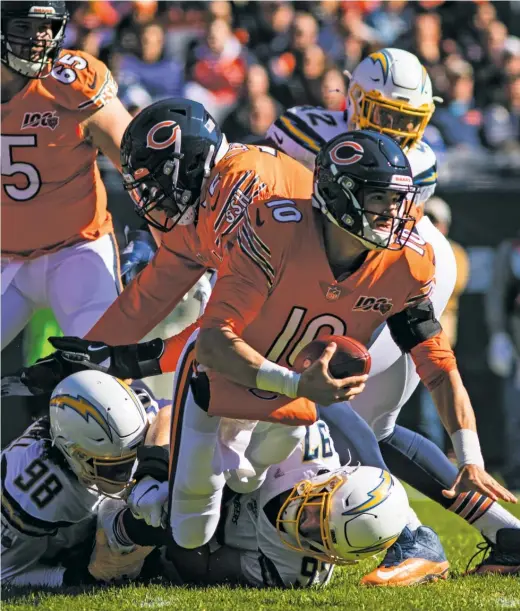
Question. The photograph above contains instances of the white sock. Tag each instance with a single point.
(413, 521)
(495, 518)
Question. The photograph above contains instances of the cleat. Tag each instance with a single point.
(114, 558)
(504, 555)
(413, 559)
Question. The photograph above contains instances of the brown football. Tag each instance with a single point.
(350, 359)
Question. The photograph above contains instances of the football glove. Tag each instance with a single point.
(139, 251)
(74, 354)
(148, 501)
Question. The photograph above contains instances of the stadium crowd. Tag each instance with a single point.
(247, 61)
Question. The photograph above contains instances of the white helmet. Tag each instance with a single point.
(346, 515)
(98, 422)
(391, 92)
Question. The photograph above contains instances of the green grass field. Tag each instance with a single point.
(344, 594)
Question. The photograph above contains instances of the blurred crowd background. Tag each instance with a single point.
(248, 61)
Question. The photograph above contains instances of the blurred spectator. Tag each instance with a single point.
(305, 84)
(502, 121)
(128, 30)
(216, 69)
(391, 19)
(269, 33)
(459, 120)
(303, 35)
(333, 90)
(503, 318)
(238, 124)
(439, 212)
(159, 76)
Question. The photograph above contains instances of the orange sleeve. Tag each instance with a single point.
(433, 357)
(173, 347)
(247, 276)
(85, 84)
(150, 297)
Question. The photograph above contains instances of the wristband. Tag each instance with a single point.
(277, 379)
(467, 448)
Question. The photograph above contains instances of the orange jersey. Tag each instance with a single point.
(52, 193)
(277, 291)
(246, 178)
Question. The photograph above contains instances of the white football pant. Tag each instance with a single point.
(78, 283)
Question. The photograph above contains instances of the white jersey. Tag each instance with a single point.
(249, 521)
(44, 506)
(301, 131)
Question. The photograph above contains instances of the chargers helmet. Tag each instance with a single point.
(167, 151)
(359, 511)
(17, 49)
(98, 422)
(347, 169)
(391, 92)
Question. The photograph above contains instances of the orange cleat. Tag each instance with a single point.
(413, 559)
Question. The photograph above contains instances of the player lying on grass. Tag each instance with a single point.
(308, 515)
(55, 475)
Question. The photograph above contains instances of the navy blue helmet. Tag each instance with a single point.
(350, 167)
(166, 152)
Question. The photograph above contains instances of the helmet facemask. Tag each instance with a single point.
(160, 196)
(396, 118)
(107, 475)
(314, 497)
(342, 199)
(29, 56)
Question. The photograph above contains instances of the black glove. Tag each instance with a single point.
(74, 354)
(130, 361)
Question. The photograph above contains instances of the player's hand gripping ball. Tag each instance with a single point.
(350, 359)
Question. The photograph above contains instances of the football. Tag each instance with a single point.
(350, 359)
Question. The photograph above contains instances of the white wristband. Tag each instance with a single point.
(277, 379)
(467, 448)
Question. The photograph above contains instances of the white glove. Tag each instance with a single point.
(148, 501)
(501, 353)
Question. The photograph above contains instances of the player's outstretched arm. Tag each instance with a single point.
(437, 368)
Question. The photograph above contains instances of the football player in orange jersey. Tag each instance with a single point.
(58, 108)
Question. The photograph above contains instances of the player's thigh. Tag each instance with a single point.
(83, 281)
(270, 444)
(385, 394)
(17, 310)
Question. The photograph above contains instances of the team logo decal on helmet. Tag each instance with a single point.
(375, 496)
(84, 408)
(382, 59)
(342, 154)
(152, 143)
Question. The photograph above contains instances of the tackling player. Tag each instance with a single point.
(290, 532)
(59, 107)
(57, 472)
